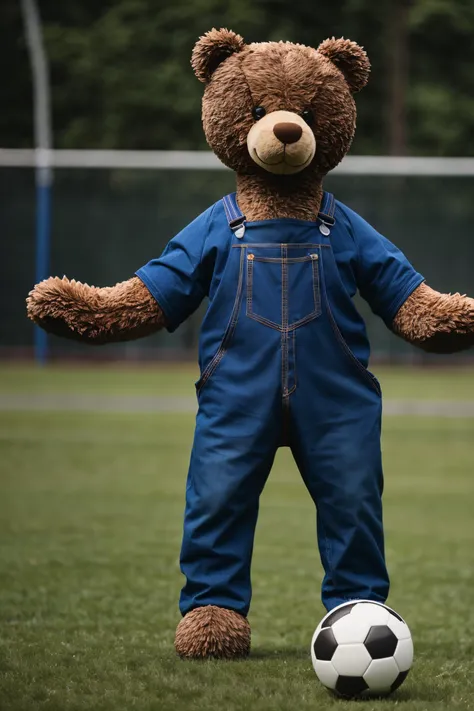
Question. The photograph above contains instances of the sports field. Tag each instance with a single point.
(91, 507)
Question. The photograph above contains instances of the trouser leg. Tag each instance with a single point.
(227, 473)
(342, 470)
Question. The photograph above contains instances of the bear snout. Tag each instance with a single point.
(287, 132)
(281, 142)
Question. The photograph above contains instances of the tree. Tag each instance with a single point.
(121, 76)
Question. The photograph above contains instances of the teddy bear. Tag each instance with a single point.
(283, 352)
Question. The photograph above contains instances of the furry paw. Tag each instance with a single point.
(39, 300)
(53, 305)
(95, 315)
(435, 322)
(213, 631)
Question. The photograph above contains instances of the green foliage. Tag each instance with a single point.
(441, 90)
(121, 76)
(131, 68)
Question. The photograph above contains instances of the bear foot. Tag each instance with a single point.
(213, 631)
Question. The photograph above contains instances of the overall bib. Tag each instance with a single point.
(283, 374)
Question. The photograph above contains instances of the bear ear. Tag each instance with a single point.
(213, 48)
(350, 59)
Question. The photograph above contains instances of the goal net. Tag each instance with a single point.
(112, 211)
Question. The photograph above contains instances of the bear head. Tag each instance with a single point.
(279, 107)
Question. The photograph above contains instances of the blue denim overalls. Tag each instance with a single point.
(283, 355)
(283, 377)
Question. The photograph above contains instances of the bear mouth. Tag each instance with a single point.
(280, 162)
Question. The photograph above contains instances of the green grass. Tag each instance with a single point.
(428, 383)
(90, 526)
(108, 379)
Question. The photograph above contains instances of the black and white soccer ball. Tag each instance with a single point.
(362, 648)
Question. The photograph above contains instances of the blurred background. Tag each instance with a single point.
(120, 80)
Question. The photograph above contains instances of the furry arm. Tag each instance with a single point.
(437, 323)
(87, 313)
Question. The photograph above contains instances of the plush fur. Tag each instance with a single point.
(351, 59)
(437, 323)
(212, 49)
(278, 76)
(213, 631)
(270, 198)
(292, 84)
(78, 311)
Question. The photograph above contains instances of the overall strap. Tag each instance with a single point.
(326, 213)
(235, 217)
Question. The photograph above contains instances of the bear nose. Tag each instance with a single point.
(287, 132)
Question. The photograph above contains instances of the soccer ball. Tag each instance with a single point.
(362, 648)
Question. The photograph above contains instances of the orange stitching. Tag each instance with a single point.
(278, 260)
(264, 321)
(290, 392)
(362, 370)
(234, 317)
(284, 318)
(270, 245)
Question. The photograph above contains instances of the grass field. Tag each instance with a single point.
(90, 525)
(397, 382)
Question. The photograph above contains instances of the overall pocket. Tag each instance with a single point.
(283, 292)
(228, 333)
(366, 375)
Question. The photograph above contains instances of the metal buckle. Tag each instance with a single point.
(238, 226)
(326, 224)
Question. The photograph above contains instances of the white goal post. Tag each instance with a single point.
(205, 160)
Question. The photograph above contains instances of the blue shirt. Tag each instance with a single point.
(193, 262)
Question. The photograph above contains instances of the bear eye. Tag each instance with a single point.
(258, 112)
(308, 116)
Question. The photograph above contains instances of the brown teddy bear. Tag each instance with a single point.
(283, 351)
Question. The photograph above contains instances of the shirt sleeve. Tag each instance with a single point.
(178, 280)
(385, 277)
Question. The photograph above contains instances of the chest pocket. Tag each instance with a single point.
(283, 292)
